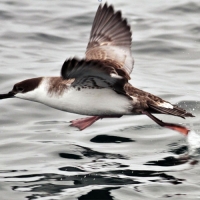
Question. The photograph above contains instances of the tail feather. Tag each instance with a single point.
(176, 111)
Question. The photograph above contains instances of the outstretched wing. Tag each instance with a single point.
(94, 74)
(110, 39)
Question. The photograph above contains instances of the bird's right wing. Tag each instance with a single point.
(93, 74)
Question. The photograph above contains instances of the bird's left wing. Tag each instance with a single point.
(94, 74)
(110, 39)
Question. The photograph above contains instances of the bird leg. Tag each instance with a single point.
(83, 123)
(176, 127)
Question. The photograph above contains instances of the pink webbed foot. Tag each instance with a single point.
(83, 123)
(176, 127)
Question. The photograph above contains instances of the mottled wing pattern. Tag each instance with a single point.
(110, 39)
(149, 102)
(93, 74)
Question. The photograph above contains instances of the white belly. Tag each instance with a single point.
(90, 102)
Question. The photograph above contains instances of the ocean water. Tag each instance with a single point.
(130, 158)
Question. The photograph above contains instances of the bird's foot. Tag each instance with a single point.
(83, 123)
(176, 127)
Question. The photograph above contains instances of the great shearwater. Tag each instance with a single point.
(98, 86)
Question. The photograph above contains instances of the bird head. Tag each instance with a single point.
(24, 89)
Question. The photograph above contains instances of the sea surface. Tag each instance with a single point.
(130, 158)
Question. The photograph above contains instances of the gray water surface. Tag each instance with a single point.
(130, 158)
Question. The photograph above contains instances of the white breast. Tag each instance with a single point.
(90, 102)
(85, 101)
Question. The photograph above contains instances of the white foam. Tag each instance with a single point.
(193, 140)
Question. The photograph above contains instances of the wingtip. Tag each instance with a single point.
(104, 6)
(189, 115)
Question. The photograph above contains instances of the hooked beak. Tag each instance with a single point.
(8, 95)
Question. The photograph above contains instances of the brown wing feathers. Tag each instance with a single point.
(176, 111)
(109, 27)
(110, 39)
(93, 74)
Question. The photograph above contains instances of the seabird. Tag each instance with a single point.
(98, 85)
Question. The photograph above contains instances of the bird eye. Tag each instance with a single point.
(20, 89)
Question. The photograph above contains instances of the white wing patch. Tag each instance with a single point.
(166, 105)
(116, 76)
